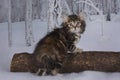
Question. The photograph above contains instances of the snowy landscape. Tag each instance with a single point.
(100, 35)
(91, 40)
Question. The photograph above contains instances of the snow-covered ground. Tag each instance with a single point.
(96, 37)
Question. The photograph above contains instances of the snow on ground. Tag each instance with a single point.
(92, 39)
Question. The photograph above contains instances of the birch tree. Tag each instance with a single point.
(9, 24)
(50, 15)
(28, 23)
(54, 14)
(108, 17)
(66, 7)
(116, 3)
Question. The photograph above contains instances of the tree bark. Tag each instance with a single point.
(88, 60)
(28, 23)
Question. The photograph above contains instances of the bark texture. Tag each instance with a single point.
(88, 60)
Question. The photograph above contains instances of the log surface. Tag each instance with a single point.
(87, 60)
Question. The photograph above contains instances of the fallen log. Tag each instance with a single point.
(87, 60)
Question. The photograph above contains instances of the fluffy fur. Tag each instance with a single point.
(51, 51)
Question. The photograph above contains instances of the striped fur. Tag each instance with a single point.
(51, 50)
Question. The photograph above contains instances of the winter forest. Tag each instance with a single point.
(24, 22)
(40, 8)
(51, 11)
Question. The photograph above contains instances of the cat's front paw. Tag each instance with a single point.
(78, 50)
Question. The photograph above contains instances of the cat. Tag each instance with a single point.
(52, 49)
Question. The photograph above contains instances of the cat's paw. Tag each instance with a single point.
(78, 50)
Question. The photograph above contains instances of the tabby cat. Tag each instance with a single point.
(51, 50)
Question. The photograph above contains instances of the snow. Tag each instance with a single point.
(91, 40)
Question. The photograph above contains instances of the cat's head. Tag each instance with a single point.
(74, 23)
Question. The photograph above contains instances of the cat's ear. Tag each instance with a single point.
(65, 18)
(82, 16)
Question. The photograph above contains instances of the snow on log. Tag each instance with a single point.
(88, 60)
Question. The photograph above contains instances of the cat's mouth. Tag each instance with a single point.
(76, 31)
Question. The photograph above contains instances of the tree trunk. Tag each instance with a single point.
(9, 24)
(108, 17)
(54, 14)
(51, 24)
(28, 23)
(88, 60)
